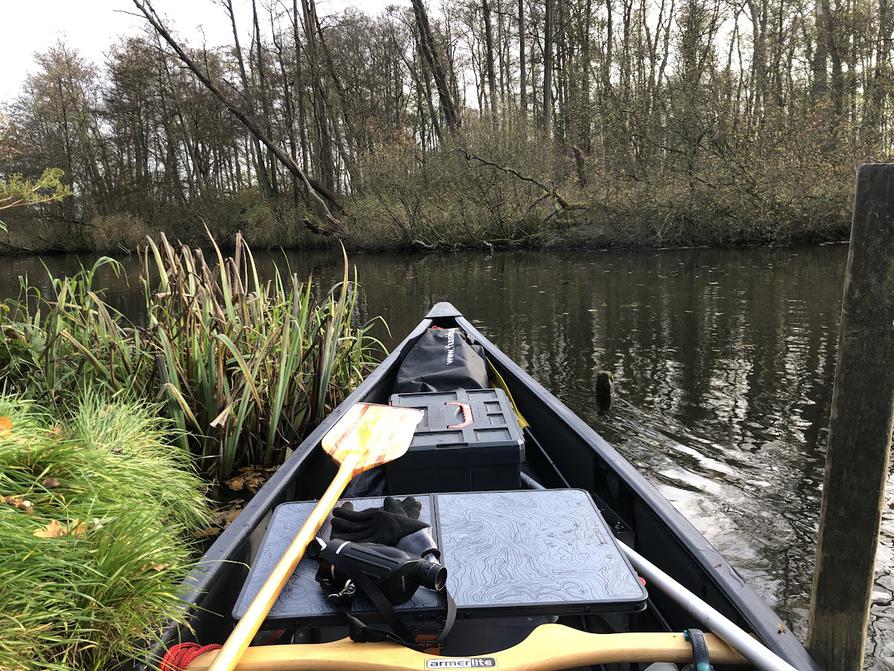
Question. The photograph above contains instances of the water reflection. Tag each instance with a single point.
(724, 362)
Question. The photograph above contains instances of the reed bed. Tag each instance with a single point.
(243, 367)
(94, 509)
(249, 367)
(55, 342)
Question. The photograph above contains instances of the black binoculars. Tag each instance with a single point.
(398, 574)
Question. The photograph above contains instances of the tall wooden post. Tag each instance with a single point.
(860, 432)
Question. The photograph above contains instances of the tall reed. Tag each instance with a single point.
(247, 367)
(52, 344)
(243, 367)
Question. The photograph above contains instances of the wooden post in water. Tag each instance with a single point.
(859, 434)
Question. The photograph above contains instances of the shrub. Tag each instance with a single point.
(116, 232)
(244, 367)
(448, 198)
(94, 509)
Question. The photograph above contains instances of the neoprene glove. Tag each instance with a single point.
(396, 523)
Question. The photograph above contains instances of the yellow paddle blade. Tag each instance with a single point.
(372, 434)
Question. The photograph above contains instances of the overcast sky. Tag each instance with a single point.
(90, 26)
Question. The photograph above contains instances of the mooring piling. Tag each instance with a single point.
(862, 420)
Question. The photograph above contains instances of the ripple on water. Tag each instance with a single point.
(724, 361)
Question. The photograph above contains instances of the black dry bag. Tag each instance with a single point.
(442, 360)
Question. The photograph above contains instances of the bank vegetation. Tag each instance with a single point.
(122, 443)
(468, 122)
(243, 368)
(98, 511)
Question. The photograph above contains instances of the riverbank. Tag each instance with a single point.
(452, 214)
(42, 237)
(112, 432)
(242, 368)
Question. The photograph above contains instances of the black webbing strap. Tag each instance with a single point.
(399, 633)
(701, 661)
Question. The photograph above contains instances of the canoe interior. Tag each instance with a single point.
(561, 451)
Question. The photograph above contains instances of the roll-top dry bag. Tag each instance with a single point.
(442, 360)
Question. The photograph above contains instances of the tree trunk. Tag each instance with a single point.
(265, 107)
(288, 105)
(548, 66)
(258, 154)
(430, 54)
(820, 61)
(320, 104)
(489, 57)
(522, 76)
(320, 200)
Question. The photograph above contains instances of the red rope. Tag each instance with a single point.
(183, 654)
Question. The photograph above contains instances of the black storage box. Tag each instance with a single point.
(468, 440)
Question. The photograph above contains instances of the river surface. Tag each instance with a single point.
(724, 363)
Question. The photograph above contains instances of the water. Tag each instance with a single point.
(724, 362)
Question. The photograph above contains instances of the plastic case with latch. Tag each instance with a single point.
(468, 440)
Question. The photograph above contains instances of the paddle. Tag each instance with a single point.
(366, 436)
(752, 649)
(548, 648)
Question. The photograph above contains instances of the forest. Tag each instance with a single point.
(543, 123)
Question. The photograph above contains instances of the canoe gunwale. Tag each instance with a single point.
(752, 608)
(203, 582)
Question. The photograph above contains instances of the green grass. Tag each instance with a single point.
(114, 501)
(243, 367)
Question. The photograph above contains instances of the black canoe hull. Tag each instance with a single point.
(573, 454)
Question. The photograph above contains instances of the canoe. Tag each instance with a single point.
(561, 451)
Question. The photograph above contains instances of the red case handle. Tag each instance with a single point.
(467, 415)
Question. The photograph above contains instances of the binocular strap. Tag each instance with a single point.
(399, 633)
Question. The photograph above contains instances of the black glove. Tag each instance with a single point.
(396, 523)
(385, 525)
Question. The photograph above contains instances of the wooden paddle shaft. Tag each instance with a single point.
(550, 647)
(248, 626)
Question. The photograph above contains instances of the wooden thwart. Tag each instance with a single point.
(550, 647)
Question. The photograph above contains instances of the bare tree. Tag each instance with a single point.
(430, 54)
(320, 200)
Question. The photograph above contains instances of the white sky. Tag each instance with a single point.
(90, 26)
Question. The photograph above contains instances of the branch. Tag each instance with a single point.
(551, 192)
(320, 200)
(17, 190)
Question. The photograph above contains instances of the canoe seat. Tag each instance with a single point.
(531, 552)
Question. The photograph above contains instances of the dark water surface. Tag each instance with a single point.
(724, 362)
